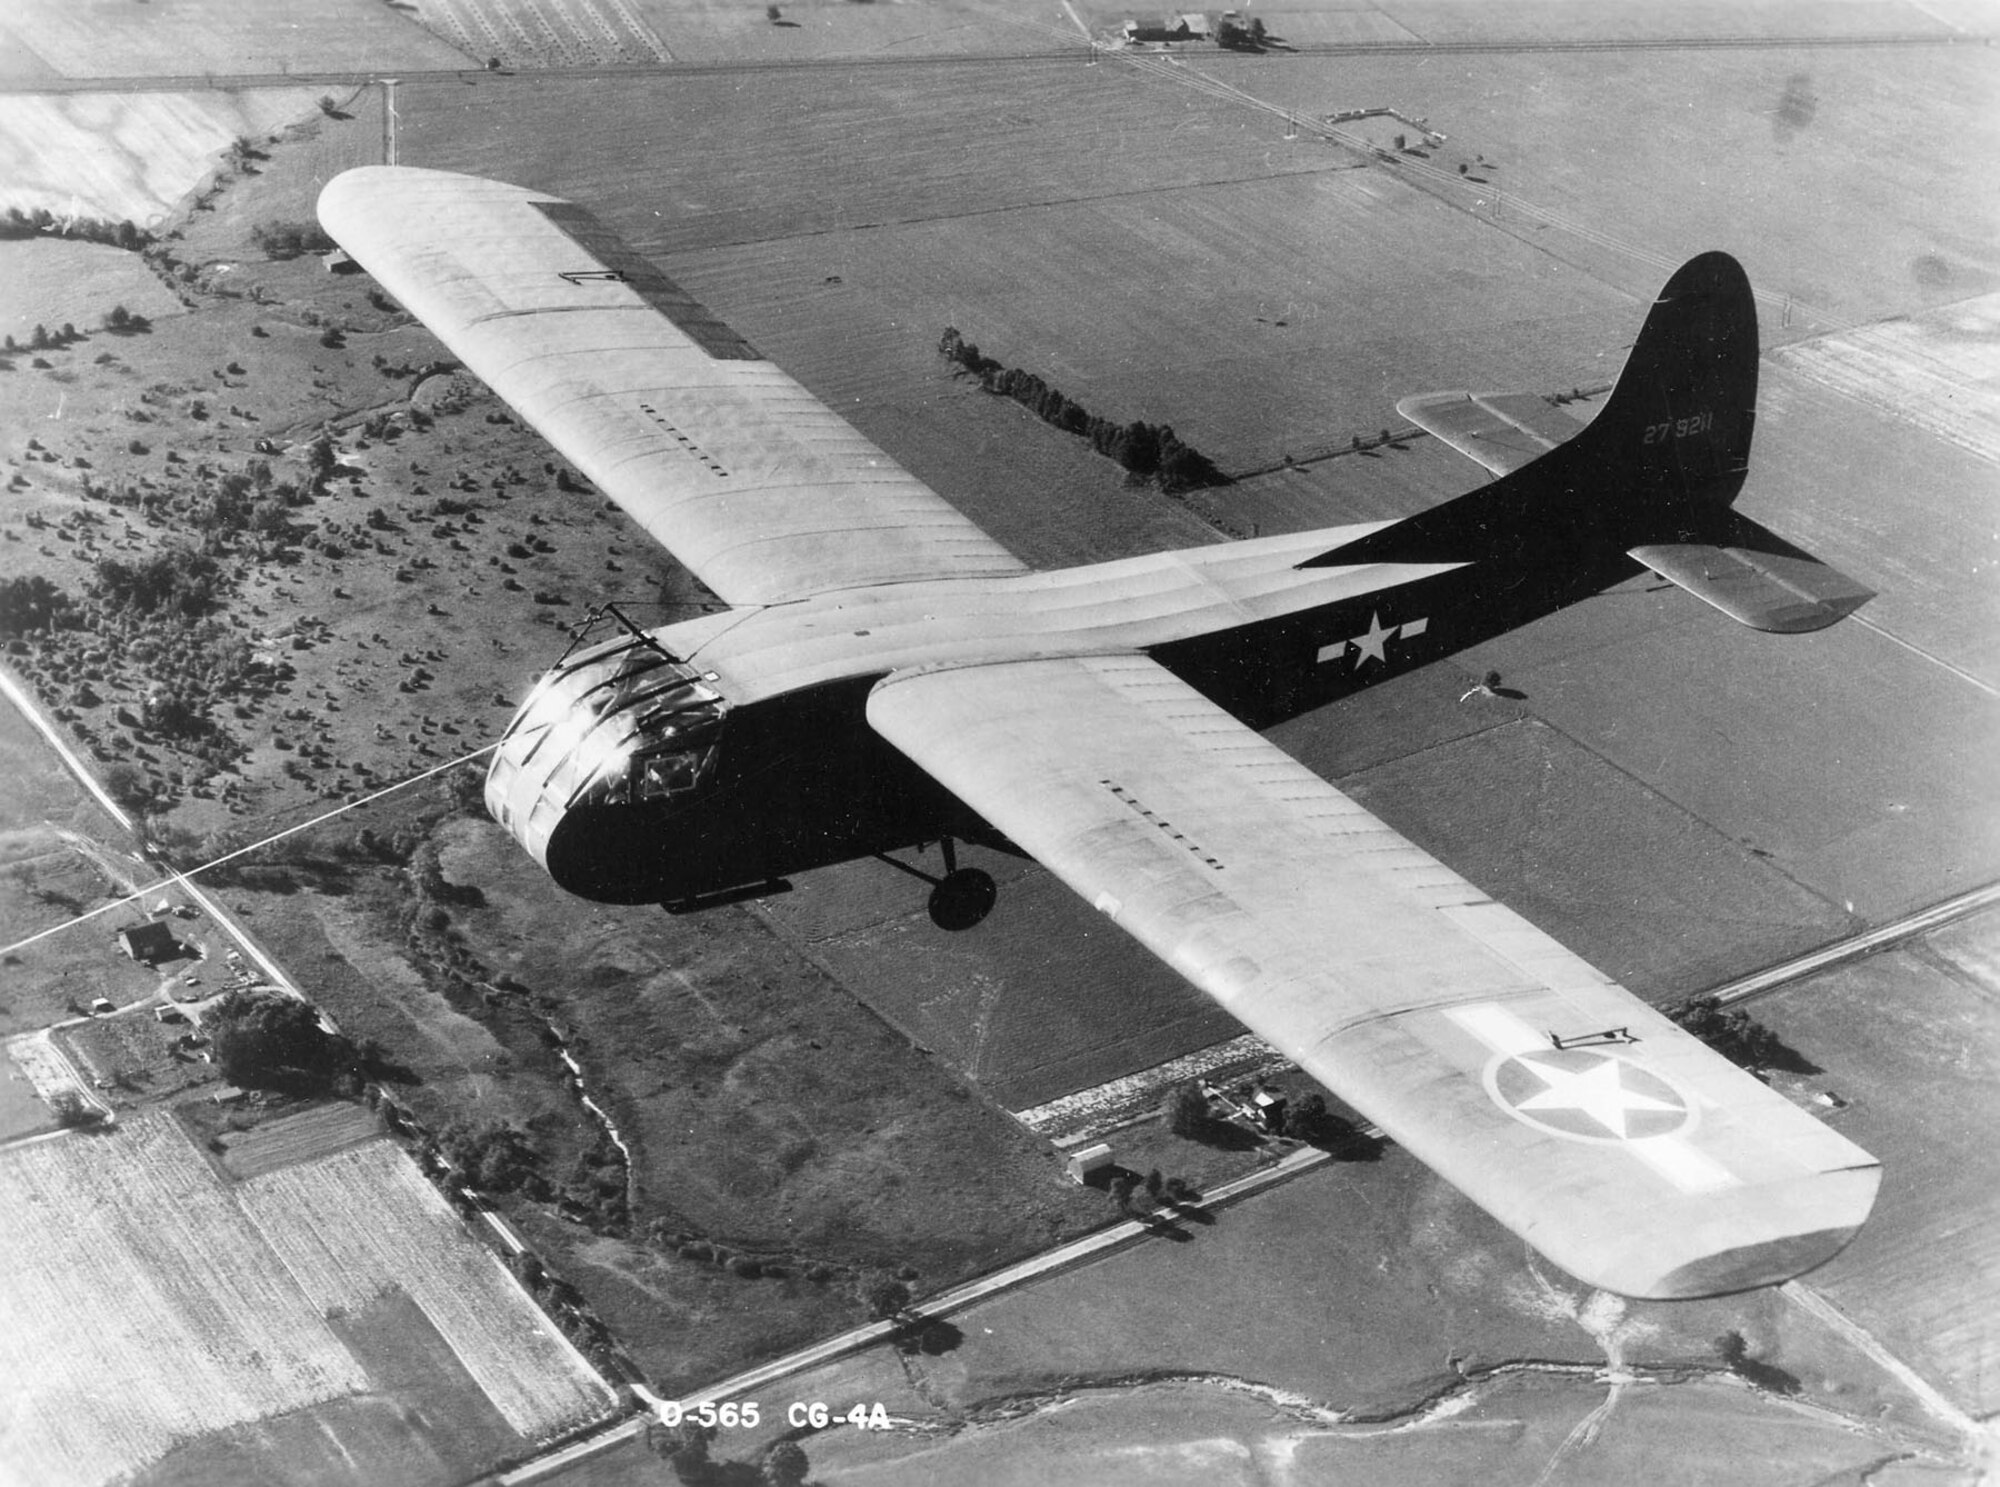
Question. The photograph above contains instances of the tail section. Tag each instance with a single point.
(1676, 430)
(1651, 478)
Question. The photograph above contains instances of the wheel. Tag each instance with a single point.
(963, 898)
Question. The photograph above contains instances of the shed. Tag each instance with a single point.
(1087, 1162)
(149, 943)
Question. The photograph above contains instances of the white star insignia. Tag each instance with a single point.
(1374, 642)
(1597, 1092)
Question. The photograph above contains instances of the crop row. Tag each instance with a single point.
(351, 1225)
(136, 1311)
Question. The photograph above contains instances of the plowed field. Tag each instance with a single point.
(147, 1302)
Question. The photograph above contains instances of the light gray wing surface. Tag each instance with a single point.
(753, 483)
(1650, 1167)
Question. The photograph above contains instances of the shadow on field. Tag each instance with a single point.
(1342, 1140)
(931, 1336)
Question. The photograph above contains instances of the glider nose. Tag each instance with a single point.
(625, 724)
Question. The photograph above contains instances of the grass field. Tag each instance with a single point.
(215, 1308)
(48, 283)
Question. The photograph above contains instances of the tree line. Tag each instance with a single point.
(1150, 451)
(17, 223)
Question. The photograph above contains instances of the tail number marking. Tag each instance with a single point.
(1680, 428)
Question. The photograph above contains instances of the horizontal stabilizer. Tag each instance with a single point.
(1502, 430)
(1758, 579)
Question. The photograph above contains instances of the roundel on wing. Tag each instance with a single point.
(1586, 1094)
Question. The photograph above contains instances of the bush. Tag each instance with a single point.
(290, 239)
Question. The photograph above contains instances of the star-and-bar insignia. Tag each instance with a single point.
(1587, 1095)
(1372, 644)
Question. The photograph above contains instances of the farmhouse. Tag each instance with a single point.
(1190, 27)
(149, 943)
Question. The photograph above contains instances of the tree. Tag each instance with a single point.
(785, 1465)
(73, 1111)
(175, 579)
(1735, 1035)
(684, 1447)
(1121, 1188)
(494, 1157)
(29, 604)
(127, 785)
(885, 1296)
(267, 1040)
(287, 239)
(1186, 1110)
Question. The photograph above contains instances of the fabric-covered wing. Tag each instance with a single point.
(764, 492)
(1650, 1167)
(1502, 430)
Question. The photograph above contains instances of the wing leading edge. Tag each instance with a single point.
(763, 491)
(1652, 1167)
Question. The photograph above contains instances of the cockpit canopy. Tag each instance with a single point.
(621, 723)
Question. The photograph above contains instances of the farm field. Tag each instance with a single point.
(287, 1140)
(217, 1308)
(128, 156)
(544, 33)
(189, 38)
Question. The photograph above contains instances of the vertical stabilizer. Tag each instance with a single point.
(1677, 427)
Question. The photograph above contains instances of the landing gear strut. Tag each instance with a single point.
(962, 897)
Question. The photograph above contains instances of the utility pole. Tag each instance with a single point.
(389, 120)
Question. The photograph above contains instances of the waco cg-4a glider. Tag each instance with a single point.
(886, 676)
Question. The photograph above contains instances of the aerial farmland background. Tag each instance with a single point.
(730, 1135)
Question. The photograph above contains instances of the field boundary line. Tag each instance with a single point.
(1761, 983)
(1927, 1393)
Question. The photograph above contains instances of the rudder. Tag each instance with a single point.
(1678, 424)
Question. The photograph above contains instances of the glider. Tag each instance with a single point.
(885, 675)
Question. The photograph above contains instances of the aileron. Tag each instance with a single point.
(1429, 1007)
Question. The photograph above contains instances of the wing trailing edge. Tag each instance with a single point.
(1758, 579)
(1501, 430)
(1642, 1163)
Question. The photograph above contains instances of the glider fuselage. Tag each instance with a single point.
(730, 750)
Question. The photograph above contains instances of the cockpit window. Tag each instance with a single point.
(620, 723)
